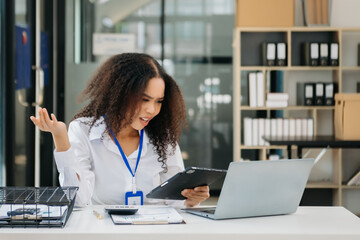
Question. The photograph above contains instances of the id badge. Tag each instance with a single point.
(134, 198)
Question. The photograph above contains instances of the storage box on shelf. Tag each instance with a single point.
(248, 58)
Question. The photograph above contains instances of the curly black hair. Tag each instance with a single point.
(117, 89)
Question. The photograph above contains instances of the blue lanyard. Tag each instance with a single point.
(123, 154)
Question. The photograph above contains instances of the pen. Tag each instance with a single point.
(98, 215)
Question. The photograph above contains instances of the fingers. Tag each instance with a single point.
(36, 121)
(49, 123)
(43, 121)
(53, 117)
(196, 195)
(42, 118)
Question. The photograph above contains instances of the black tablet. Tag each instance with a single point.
(190, 178)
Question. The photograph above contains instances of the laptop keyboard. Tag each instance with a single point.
(211, 211)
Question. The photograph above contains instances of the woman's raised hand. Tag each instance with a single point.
(46, 124)
(57, 128)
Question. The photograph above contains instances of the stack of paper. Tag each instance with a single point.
(150, 215)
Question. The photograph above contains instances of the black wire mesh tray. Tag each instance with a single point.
(36, 206)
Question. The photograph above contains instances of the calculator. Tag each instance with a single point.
(121, 209)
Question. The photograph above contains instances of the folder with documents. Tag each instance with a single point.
(319, 93)
(330, 90)
(269, 54)
(310, 54)
(150, 215)
(324, 54)
(334, 54)
(305, 94)
(281, 54)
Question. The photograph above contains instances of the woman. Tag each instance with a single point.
(124, 142)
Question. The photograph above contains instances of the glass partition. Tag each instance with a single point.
(195, 47)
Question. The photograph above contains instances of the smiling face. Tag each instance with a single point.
(150, 104)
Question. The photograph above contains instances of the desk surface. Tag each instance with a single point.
(307, 223)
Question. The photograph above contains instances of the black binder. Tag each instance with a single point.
(269, 54)
(281, 54)
(358, 87)
(309, 93)
(330, 90)
(324, 54)
(310, 54)
(334, 54)
(319, 93)
(359, 54)
(305, 93)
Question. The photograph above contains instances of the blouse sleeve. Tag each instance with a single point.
(77, 161)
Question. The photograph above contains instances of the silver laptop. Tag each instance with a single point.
(260, 188)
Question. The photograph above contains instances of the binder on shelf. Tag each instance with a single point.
(261, 124)
(247, 131)
(279, 127)
(354, 179)
(319, 93)
(292, 127)
(310, 127)
(334, 54)
(260, 89)
(252, 89)
(305, 94)
(273, 127)
(276, 81)
(358, 87)
(281, 54)
(310, 54)
(267, 129)
(324, 54)
(330, 90)
(255, 132)
(304, 126)
(298, 130)
(358, 56)
(269, 53)
(286, 127)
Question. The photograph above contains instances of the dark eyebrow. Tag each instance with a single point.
(145, 95)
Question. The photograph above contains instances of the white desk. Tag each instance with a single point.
(307, 223)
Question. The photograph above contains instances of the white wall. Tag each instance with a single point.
(345, 13)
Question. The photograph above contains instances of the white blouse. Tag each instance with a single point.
(104, 177)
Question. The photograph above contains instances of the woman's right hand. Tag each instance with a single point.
(57, 128)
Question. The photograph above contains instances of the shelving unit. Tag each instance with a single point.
(247, 57)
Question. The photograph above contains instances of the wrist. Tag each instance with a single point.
(61, 141)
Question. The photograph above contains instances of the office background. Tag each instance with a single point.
(191, 38)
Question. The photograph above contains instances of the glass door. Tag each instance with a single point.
(29, 84)
(191, 38)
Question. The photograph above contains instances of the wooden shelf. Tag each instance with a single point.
(243, 147)
(297, 108)
(290, 68)
(297, 29)
(247, 57)
(351, 68)
(330, 185)
(351, 187)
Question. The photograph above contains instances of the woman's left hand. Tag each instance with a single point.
(196, 195)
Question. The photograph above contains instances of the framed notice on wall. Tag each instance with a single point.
(113, 43)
